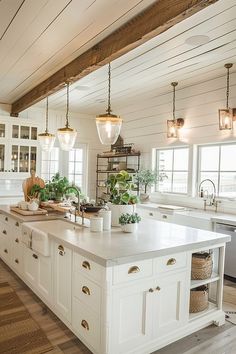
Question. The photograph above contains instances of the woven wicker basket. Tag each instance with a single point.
(201, 266)
(198, 299)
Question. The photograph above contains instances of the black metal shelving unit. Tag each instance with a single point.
(110, 164)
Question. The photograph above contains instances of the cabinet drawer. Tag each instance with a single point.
(5, 218)
(169, 263)
(87, 291)
(86, 324)
(132, 271)
(148, 213)
(87, 267)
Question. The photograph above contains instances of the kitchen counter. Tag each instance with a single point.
(153, 239)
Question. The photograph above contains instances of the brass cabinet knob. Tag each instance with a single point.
(158, 288)
(6, 251)
(85, 325)
(16, 261)
(17, 224)
(35, 256)
(6, 218)
(86, 265)
(61, 253)
(164, 216)
(61, 248)
(86, 290)
(151, 290)
(150, 214)
(171, 261)
(17, 240)
(133, 269)
(4, 232)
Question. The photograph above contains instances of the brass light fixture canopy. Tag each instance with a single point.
(108, 124)
(226, 114)
(67, 135)
(46, 139)
(173, 125)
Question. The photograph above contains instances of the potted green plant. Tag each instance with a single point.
(129, 222)
(121, 197)
(147, 178)
(56, 187)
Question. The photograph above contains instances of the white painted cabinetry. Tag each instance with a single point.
(62, 275)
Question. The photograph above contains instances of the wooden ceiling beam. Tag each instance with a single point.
(156, 19)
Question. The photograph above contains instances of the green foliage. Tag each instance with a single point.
(120, 188)
(147, 178)
(57, 186)
(127, 218)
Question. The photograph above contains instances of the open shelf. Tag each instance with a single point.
(196, 283)
(211, 308)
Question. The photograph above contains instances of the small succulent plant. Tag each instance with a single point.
(127, 218)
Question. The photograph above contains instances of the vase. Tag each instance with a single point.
(117, 210)
(129, 227)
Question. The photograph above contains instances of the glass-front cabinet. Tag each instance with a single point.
(18, 149)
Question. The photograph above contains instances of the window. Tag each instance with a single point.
(50, 163)
(76, 168)
(172, 168)
(218, 163)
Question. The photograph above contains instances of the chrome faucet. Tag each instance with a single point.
(77, 205)
(212, 198)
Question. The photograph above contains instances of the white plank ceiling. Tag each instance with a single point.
(141, 78)
(38, 37)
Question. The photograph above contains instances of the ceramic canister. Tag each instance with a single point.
(96, 224)
(106, 215)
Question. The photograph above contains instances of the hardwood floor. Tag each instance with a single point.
(211, 340)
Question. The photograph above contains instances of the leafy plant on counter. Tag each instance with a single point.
(120, 188)
(127, 218)
(56, 187)
(147, 178)
(40, 193)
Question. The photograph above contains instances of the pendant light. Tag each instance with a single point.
(226, 115)
(46, 139)
(108, 125)
(67, 135)
(173, 125)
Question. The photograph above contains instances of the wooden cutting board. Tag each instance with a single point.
(28, 212)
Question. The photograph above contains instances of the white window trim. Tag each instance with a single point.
(189, 171)
(198, 181)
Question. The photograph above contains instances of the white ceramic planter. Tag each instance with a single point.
(117, 210)
(129, 227)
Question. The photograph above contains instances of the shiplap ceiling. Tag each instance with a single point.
(38, 37)
(143, 75)
(41, 36)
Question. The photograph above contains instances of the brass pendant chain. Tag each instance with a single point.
(46, 130)
(174, 84)
(109, 89)
(67, 105)
(227, 90)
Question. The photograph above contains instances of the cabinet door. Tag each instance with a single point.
(17, 248)
(132, 317)
(44, 281)
(5, 242)
(62, 279)
(170, 305)
(31, 265)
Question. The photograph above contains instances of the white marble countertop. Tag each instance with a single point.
(153, 239)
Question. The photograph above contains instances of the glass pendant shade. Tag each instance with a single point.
(46, 140)
(226, 115)
(67, 135)
(172, 130)
(173, 125)
(108, 125)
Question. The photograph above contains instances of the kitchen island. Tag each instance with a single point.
(119, 293)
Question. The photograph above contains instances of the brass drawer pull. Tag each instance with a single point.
(86, 265)
(4, 232)
(61, 248)
(6, 251)
(6, 218)
(158, 288)
(151, 290)
(164, 216)
(150, 214)
(61, 253)
(35, 256)
(171, 261)
(17, 261)
(85, 324)
(17, 240)
(17, 224)
(86, 290)
(133, 269)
